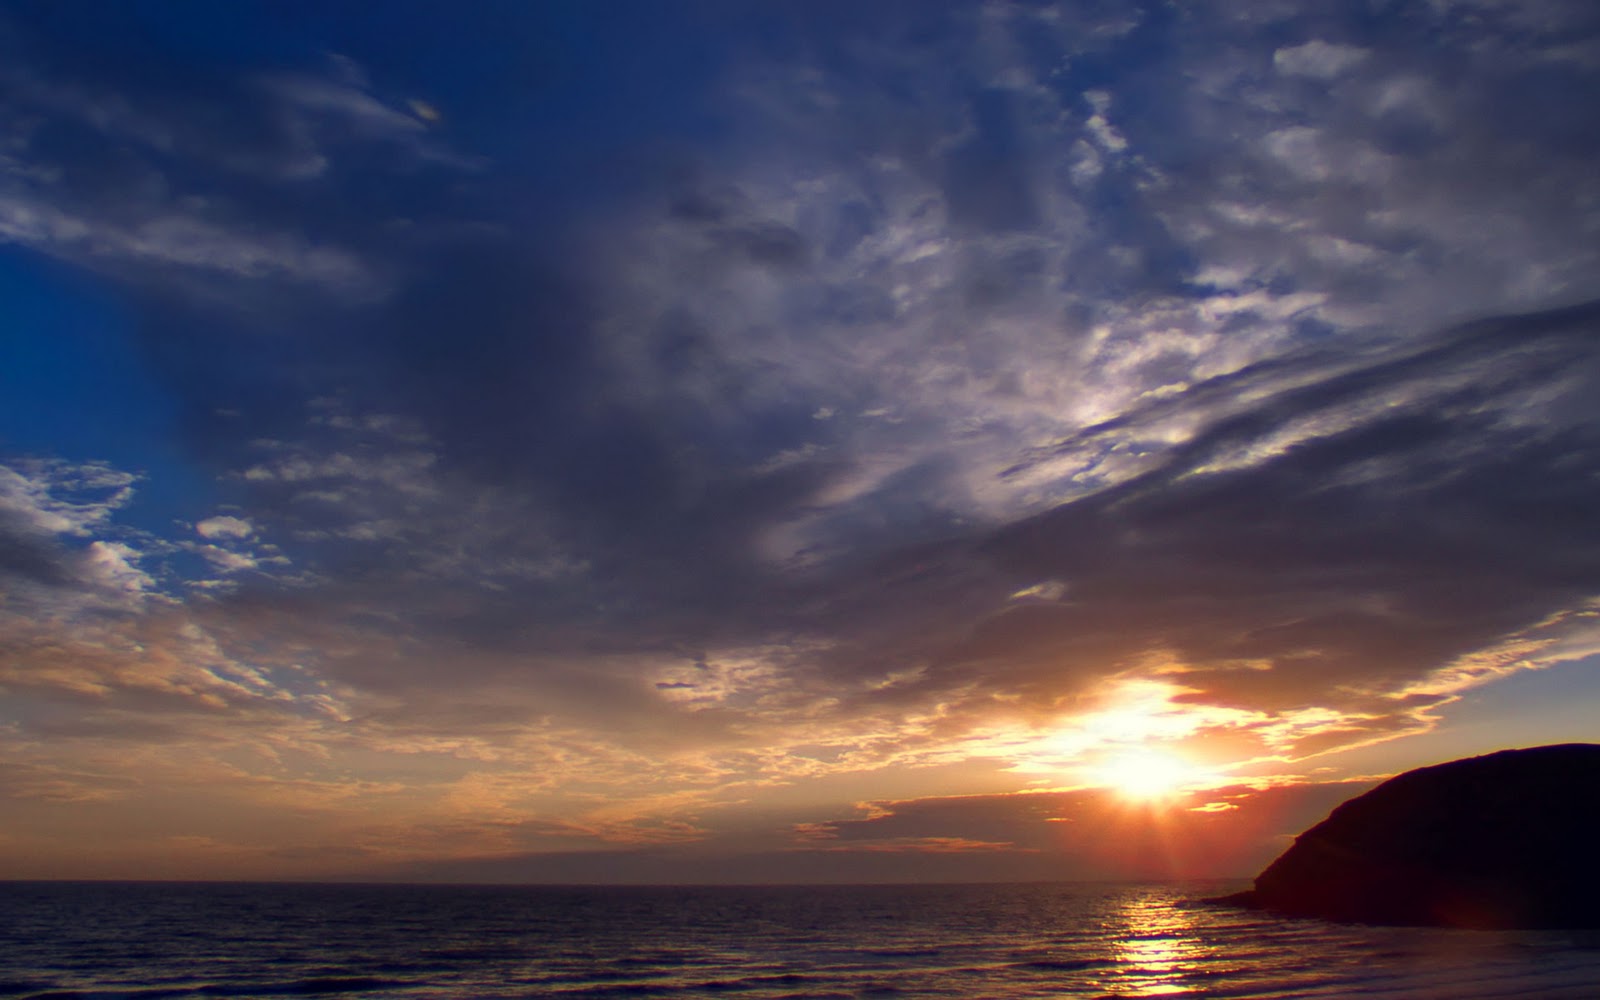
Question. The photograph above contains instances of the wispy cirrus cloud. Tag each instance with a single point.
(160, 172)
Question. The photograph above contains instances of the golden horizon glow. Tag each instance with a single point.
(1128, 739)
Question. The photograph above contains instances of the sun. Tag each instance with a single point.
(1147, 775)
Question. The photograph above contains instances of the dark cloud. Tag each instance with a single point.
(1426, 506)
(1028, 837)
(1223, 832)
(23, 554)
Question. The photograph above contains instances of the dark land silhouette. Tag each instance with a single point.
(1507, 840)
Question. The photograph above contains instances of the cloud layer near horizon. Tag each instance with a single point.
(641, 446)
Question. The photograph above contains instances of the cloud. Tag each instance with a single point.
(1318, 58)
(1322, 562)
(1084, 833)
(163, 171)
(224, 526)
(53, 497)
(176, 239)
(974, 372)
(113, 563)
(1029, 837)
(61, 551)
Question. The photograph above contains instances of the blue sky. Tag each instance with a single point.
(532, 441)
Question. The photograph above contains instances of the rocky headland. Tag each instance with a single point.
(1507, 840)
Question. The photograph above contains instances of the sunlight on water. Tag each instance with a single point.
(999, 942)
(1159, 948)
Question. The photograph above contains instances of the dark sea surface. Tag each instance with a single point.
(150, 940)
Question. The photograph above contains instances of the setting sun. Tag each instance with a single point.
(1147, 775)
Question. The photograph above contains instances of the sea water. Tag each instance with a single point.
(159, 940)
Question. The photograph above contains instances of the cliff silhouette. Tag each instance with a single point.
(1507, 840)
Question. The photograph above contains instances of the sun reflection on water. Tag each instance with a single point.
(1158, 949)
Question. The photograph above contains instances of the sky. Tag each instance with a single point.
(787, 441)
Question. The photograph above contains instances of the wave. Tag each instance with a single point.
(998, 942)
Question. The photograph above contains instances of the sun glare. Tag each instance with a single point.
(1147, 775)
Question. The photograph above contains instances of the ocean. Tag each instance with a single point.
(62, 940)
